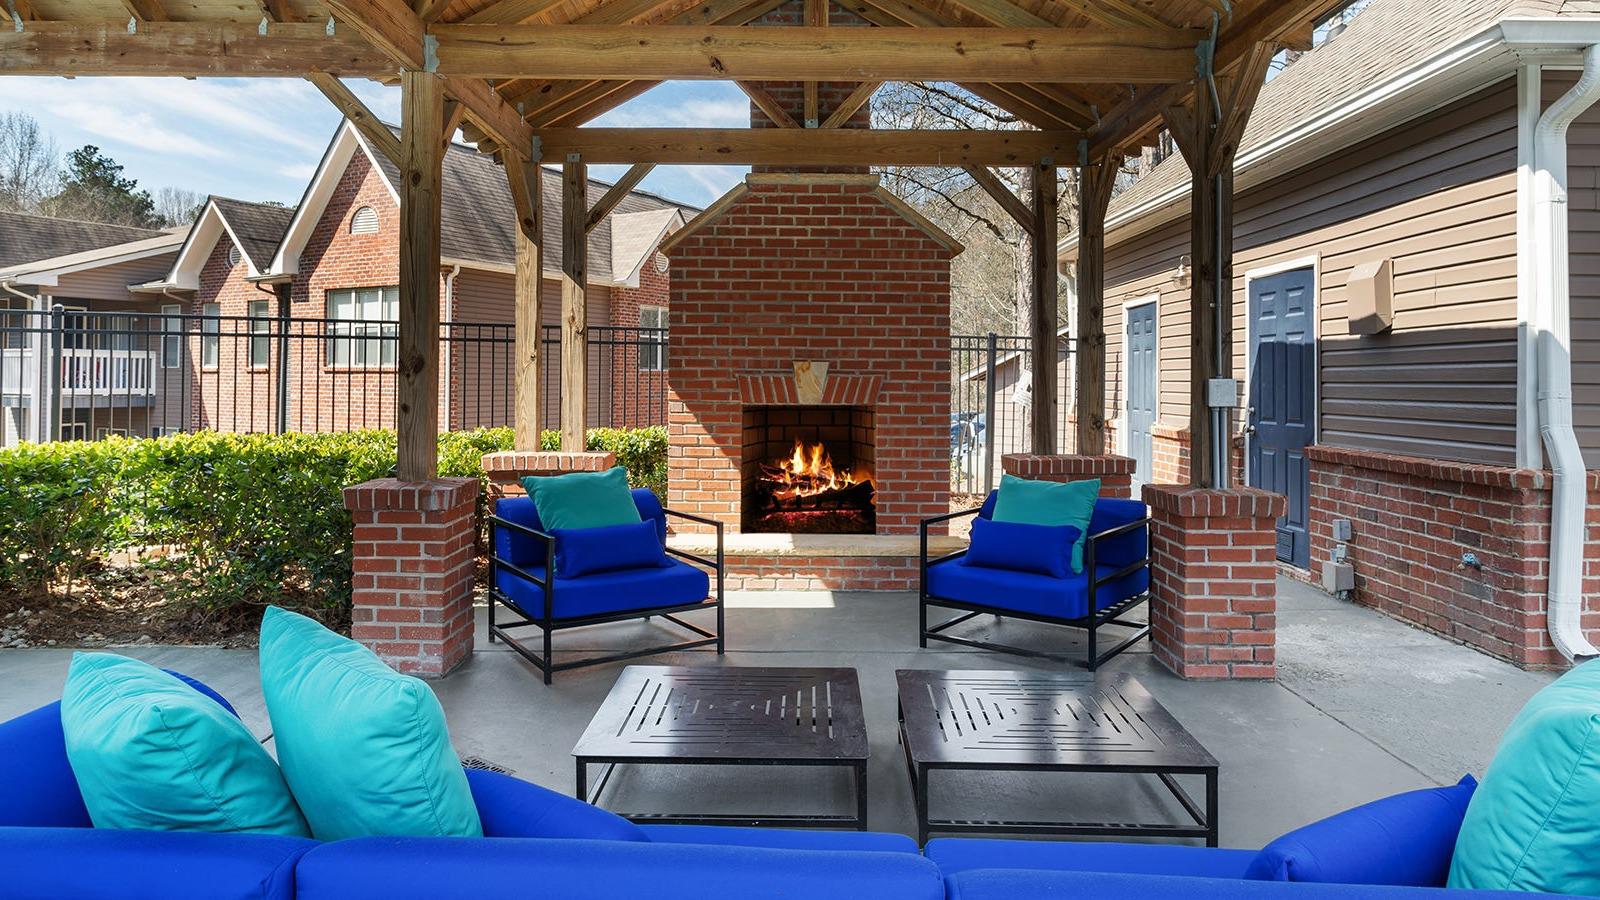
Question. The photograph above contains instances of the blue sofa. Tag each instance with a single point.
(545, 845)
(1115, 580)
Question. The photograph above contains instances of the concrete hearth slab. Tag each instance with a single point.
(815, 545)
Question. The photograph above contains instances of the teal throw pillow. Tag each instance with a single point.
(364, 749)
(151, 753)
(1049, 503)
(1534, 823)
(582, 499)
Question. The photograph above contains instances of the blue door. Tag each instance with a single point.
(1141, 388)
(1282, 414)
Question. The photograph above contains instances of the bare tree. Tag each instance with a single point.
(177, 206)
(30, 164)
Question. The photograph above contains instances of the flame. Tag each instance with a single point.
(807, 472)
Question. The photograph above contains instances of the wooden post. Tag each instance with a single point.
(1207, 130)
(574, 303)
(525, 180)
(417, 382)
(1044, 308)
(1095, 183)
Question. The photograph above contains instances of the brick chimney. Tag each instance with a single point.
(790, 95)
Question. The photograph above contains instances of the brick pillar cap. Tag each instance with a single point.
(1031, 464)
(546, 462)
(1241, 502)
(424, 496)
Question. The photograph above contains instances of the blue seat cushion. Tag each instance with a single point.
(512, 808)
(519, 869)
(1408, 838)
(1063, 598)
(780, 838)
(954, 855)
(1034, 884)
(610, 592)
(108, 864)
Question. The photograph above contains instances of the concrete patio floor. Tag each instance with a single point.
(1364, 706)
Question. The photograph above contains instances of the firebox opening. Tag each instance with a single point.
(808, 470)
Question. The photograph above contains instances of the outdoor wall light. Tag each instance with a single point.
(1180, 276)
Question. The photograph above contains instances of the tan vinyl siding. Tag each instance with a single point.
(1438, 197)
(1583, 206)
(111, 282)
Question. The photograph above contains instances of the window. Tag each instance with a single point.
(260, 327)
(171, 335)
(363, 326)
(652, 338)
(210, 334)
(365, 221)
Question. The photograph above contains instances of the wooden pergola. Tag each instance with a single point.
(1096, 79)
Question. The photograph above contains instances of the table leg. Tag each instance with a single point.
(861, 796)
(922, 804)
(1212, 830)
(581, 791)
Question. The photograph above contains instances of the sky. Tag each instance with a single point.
(260, 139)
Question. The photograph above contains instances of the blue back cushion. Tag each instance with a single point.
(513, 808)
(1407, 839)
(37, 787)
(528, 552)
(1020, 547)
(608, 548)
(1109, 512)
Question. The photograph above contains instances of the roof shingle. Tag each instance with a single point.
(25, 238)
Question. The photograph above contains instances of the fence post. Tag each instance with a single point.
(52, 424)
(282, 290)
(989, 429)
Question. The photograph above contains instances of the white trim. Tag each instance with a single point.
(1124, 446)
(335, 160)
(191, 261)
(1314, 263)
(48, 277)
(1529, 445)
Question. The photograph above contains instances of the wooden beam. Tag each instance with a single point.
(790, 146)
(430, 10)
(146, 10)
(1094, 185)
(851, 104)
(524, 179)
(454, 111)
(598, 103)
(376, 133)
(417, 366)
(1044, 307)
(618, 192)
(1193, 129)
(511, 11)
(276, 10)
(490, 113)
(799, 53)
(187, 49)
(995, 188)
(1238, 94)
(816, 16)
(768, 104)
(574, 303)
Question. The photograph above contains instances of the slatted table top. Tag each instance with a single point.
(1019, 720)
(729, 714)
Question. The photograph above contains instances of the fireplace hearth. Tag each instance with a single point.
(808, 470)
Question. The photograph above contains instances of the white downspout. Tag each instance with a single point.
(1552, 324)
(449, 308)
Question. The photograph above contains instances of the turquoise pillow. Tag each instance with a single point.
(364, 748)
(152, 753)
(582, 499)
(1534, 823)
(1049, 503)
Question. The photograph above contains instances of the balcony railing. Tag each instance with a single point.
(102, 373)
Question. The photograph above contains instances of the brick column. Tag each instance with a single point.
(507, 468)
(1115, 472)
(414, 559)
(1214, 587)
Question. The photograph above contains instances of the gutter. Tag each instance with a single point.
(1552, 346)
(447, 308)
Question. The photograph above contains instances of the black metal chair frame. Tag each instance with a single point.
(1096, 619)
(548, 624)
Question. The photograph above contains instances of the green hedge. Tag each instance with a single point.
(240, 519)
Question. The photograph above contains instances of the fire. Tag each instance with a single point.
(807, 472)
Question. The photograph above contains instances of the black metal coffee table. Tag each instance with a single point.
(1026, 722)
(729, 716)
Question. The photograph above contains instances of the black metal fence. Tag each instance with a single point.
(82, 374)
(991, 404)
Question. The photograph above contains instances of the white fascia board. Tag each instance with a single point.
(343, 146)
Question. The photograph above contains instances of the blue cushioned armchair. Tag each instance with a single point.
(1115, 579)
(523, 577)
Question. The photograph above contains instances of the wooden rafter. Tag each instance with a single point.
(430, 10)
(851, 104)
(454, 112)
(779, 146)
(20, 9)
(187, 49)
(275, 10)
(801, 53)
(146, 10)
(590, 102)
(377, 134)
(512, 11)
(768, 104)
(1005, 100)
(995, 188)
(616, 194)
(1239, 92)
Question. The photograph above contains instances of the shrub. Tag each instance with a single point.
(244, 519)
